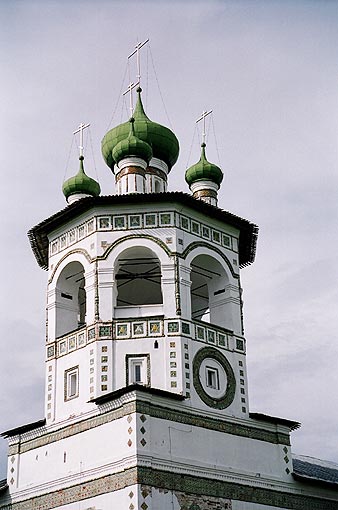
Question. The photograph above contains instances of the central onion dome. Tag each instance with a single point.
(161, 139)
(132, 146)
(80, 185)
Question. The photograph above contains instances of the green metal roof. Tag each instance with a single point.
(162, 140)
(81, 183)
(203, 170)
(132, 146)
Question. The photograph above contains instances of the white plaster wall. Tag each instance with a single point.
(87, 455)
(211, 450)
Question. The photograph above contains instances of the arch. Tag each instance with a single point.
(70, 298)
(152, 242)
(209, 282)
(138, 277)
(216, 252)
(79, 253)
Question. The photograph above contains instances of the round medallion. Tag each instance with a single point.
(214, 379)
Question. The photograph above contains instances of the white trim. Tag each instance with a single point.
(159, 164)
(131, 161)
(201, 185)
(76, 196)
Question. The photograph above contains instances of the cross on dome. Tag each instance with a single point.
(80, 130)
(203, 117)
(137, 52)
(129, 90)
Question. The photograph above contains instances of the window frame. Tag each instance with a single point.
(70, 373)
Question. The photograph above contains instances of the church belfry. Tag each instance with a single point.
(146, 388)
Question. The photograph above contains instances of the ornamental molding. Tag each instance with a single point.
(180, 483)
(68, 254)
(227, 398)
(128, 237)
(132, 403)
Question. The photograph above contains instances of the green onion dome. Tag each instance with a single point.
(81, 184)
(163, 142)
(203, 170)
(132, 146)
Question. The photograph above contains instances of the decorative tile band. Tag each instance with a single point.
(180, 483)
(147, 327)
(155, 411)
(142, 221)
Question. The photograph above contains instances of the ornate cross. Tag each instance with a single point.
(129, 90)
(202, 117)
(80, 129)
(137, 51)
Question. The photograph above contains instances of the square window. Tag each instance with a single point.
(135, 221)
(184, 223)
(50, 351)
(173, 364)
(186, 356)
(173, 384)
(91, 334)
(187, 385)
(205, 232)
(154, 328)
(239, 344)
(200, 333)
(243, 391)
(150, 220)
(187, 365)
(172, 345)
(81, 339)
(173, 373)
(241, 382)
(221, 339)
(195, 228)
(212, 378)
(104, 378)
(185, 328)
(104, 223)
(104, 348)
(81, 231)
(165, 219)
(226, 240)
(211, 336)
(104, 368)
(173, 354)
(119, 222)
(90, 226)
(72, 343)
(71, 383)
(122, 329)
(241, 372)
(54, 248)
(173, 327)
(216, 236)
(104, 359)
(63, 242)
(104, 331)
(187, 375)
(138, 328)
(72, 236)
(104, 387)
(63, 347)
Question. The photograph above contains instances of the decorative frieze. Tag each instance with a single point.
(141, 220)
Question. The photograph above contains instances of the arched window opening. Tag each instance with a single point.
(157, 186)
(138, 278)
(70, 299)
(208, 290)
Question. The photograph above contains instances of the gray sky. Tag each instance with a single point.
(269, 70)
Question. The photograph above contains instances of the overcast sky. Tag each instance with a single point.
(269, 71)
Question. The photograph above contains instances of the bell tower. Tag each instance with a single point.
(146, 384)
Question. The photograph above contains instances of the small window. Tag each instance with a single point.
(72, 383)
(138, 369)
(212, 378)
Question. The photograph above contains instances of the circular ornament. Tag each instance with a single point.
(222, 393)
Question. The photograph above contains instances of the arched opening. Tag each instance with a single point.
(138, 278)
(208, 290)
(70, 299)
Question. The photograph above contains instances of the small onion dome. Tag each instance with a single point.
(203, 170)
(81, 184)
(163, 142)
(132, 146)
